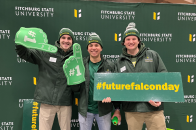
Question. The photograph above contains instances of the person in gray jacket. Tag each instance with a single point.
(136, 57)
(52, 90)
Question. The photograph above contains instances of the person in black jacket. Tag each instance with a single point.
(52, 90)
(136, 57)
(88, 109)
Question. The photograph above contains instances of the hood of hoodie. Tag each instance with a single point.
(62, 52)
(141, 47)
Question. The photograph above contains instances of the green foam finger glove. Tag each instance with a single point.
(34, 38)
(169, 129)
(73, 67)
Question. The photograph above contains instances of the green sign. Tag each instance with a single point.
(74, 67)
(34, 38)
(30, 115)
(166, 87)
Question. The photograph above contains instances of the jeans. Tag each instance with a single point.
(104, 122)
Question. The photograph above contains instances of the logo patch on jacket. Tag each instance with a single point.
(107, 71)
(148, 59)
(123, 69)
(52, 59)
(134, 63)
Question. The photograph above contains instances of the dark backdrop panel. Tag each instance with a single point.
(165, 28)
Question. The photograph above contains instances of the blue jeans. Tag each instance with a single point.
(104, 122)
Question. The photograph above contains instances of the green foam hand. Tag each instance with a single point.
(34, 38)
(73, 67)
(169, 129)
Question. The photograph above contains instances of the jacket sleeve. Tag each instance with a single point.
(116, 68)
(116, 104)
(112, 65)
(76, 88)
(30, 55)
(160, 67)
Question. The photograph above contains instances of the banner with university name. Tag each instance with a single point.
(168, 29)
(164, 87)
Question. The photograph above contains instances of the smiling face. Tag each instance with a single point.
(94, 49)
(65, 42)
(131, 43)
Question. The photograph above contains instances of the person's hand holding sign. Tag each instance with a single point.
(74, 67)
(34, 38)
(155, 104)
